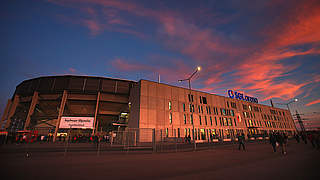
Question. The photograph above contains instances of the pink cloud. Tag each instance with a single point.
(72, 70)
(313, 102)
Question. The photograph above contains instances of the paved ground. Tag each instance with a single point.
(224, 162)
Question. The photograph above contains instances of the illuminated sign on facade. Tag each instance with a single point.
(240, 96)
(77, 122)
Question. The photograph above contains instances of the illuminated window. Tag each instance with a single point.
(185, 119)
(225, 122)
(184, 107)
(167, 132)
(223, 112)
(249, 107)
(170, 118)
(170, 105)
(232, 113)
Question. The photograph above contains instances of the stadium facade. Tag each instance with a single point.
(88, 103)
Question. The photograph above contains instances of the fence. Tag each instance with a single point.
(147, 139)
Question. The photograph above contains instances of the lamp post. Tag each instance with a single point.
(287, 104)
(189, 81)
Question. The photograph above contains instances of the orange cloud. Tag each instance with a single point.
(313, 102)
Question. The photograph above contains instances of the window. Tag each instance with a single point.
(207, 110)
(190, 107)
(228, 104)
(225, 121)
(204, 100)
(191, 118)
(233, 105)
(190, 97)
(200, 120)
(201, 110)
(232, 113)
(170, 105)
(170, 118)
(211, 120)
(250, 108)
(167, 132)
(205, 120)
(215, 118)
(185, 119)
(184, 107)
(245, 107)
(235, 122)
(223, 112)
(200, 100)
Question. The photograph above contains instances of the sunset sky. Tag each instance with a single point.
(266, 48)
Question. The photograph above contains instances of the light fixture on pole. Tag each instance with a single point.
(192, 109)
(287, 104)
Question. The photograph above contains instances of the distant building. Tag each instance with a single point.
(105, 104)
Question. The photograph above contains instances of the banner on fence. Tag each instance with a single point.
(77, 122)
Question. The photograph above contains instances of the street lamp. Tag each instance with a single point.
(189, 81)
(287, 104)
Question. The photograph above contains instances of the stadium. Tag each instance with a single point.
(87, 104)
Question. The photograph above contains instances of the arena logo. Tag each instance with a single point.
(240, 96)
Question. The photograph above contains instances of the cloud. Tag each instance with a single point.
(255, 60)
(313, 102)
(72, 70)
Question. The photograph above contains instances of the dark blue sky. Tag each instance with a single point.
(267, 49)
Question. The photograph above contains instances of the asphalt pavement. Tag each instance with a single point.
(221, 162)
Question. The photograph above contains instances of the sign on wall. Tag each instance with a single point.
(240, 96)
(77, 122)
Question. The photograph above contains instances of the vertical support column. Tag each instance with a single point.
(154, 140)
(5, 113)
(62, 104)
(96, 113)
(12, 109)
(31, 109)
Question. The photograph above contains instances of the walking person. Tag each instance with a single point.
(297, 137)
(273, 142)
(280, 140)
(241, 142)
(311, 139)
